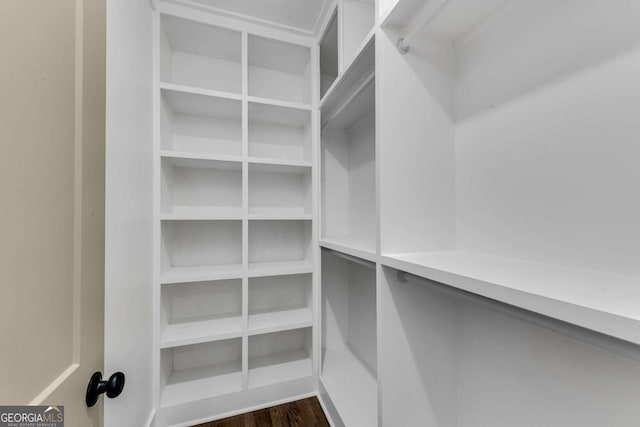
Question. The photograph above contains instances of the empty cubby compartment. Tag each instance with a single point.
(279, 302)
(201, 186)
(279, 132)
(200, 55)
(195, 301)
(279, 357)
(201, 124)
(278, 190)
(274, 241)
(199, 371)
(201, 243)
(279, 70)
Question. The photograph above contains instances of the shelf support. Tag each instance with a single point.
(431, 10)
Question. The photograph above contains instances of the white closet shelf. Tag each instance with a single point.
(351, 246)
(280, 162)
(278, 103)
(277, 321)
(352, 388)
(282, 268)
(603, 302)
(202, 214)
(199, 383)
(362, 65)
(201, 273)
(169, 154)
(172, 87)
(279, 368)
(186, 333)
(279, 216)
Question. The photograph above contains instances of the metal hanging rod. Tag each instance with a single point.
(351, 258)
(424, 18)
(595, 339)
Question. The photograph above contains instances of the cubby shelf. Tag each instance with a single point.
(202, 383)
(196, 54)
(200, 122)
(279, 357)
(201, 331)
(199, 371)
(279, 321)
(265, 269)
(572, 295)
(169, 154)
(201, 273)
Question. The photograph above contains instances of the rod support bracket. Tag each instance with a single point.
(401, 276)
(402, 47)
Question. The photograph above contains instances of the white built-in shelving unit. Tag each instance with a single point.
(349, 232)
(235, 208)
(423, 212)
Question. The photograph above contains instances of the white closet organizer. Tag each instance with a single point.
(235, 206)
(422, 212)
(518, 153)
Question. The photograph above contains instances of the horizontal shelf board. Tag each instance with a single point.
(600, 301)
(354, 74)
(199, 91)
(183, 155)
(279, 368)
(278, 162)
(279, 321)
(198, 214)
(203, 164)
(351, 246)
(201, 331)
(282, 268)
(279, 103)
(352, 388)
(201, 273)
(275, 216)
(279, 168)
(200, 383)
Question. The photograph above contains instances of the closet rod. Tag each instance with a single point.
(351, 258)
(347, 101)
(424, 18)
(592, 338)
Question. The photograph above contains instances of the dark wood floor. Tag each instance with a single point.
(301, 413)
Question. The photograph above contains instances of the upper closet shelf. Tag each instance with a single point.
(440, 19)
(357, 74)
(600, 301)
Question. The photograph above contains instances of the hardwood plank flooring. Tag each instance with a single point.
(301, 413)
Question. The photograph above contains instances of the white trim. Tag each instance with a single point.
(44, 394)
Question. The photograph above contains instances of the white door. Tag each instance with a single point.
(51, 210)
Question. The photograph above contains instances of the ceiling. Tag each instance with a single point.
(302, 16)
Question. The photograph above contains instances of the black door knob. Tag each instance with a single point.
(112, 387)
